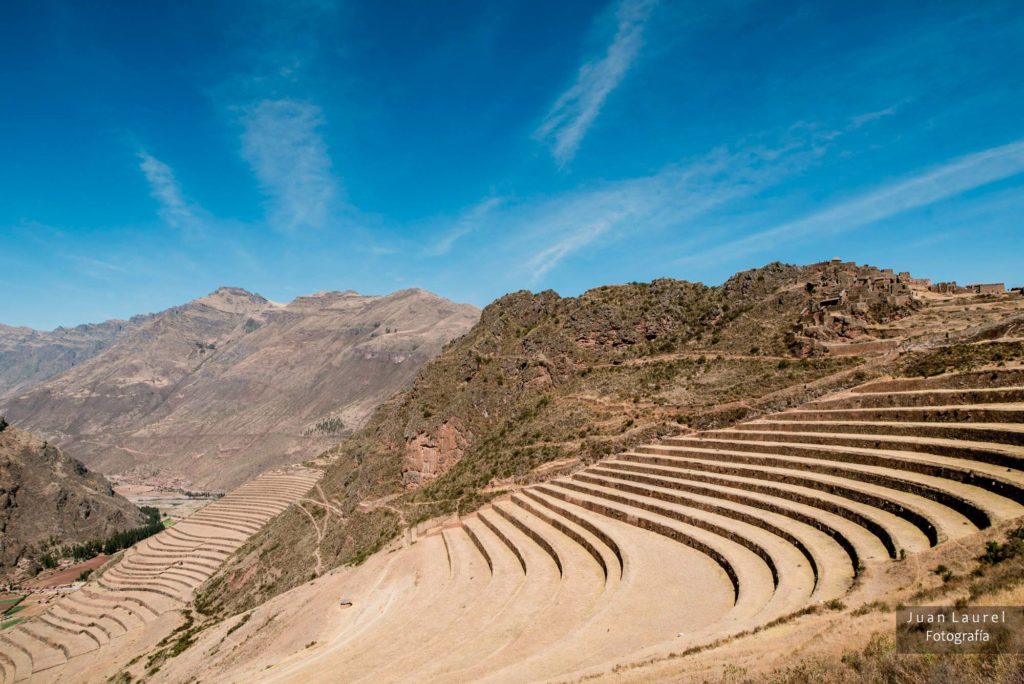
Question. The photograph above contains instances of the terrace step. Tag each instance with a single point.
(118, 577)
(43, 654)
(17, 654)
(832, 568)
(979, 491)
(696, 538)
(580, 536)
(429, 566)
(481, 597)
(111, 620)
(749, 575)
(8, 668)
(948, 502)
(133, 611)
(976, 413)
(855, 541)
(1007, 456)
(67, 641)
(905, 506)
(577, 590)
(892, 534)
(497, 528)
(919, 398)
(974, 379)
(599, 539)
(996, 433)
(61, 614)
(157, 575)
(792, 575)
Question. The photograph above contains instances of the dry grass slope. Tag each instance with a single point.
(546, 380)
(153, 579)
(681, 547)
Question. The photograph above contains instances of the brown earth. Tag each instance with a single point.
(687, 560)
(127, 607)
(48, 499)
(797, 500)
(63, 576)
(28, 357)
(543, 378)
(209, 394)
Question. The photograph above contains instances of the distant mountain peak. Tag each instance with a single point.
(234, 300)
(215, 391)
(231, 291)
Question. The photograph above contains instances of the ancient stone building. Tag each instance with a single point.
(947, 288)
(915, 283)
(987, 288)
(841, 303)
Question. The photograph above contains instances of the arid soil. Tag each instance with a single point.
(758, 516)
(604, 575)
(63, 576)
(207, 395)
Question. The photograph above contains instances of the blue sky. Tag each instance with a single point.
(151, 152)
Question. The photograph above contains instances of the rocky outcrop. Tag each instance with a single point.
(46, 496)
(843, 300)
(427, 457)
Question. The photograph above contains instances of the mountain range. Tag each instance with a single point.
(211, 393)
(29, 356)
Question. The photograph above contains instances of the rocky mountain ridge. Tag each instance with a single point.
(28, 357)
(211, 393)
(543, 384)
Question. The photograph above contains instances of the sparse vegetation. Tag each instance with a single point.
(326, 426)
(238, 625)
(114, 543)
(543, 378)
(175, 643)
(961, 357)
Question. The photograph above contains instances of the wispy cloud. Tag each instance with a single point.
(948, 180)
(175, 210)
(282, 142)
(573, 113)
(672, 198)
(469, 222)
(94, 268)
(549, 257)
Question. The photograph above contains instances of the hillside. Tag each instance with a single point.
(760, 494)
(211, 393)
(47, 496)
(28, 357)
(543, 384)
(774, 550)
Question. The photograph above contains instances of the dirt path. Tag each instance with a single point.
(319, 538)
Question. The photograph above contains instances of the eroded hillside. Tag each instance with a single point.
(212, 393)
(28, 357)
(837, 446)
(46, 496)
(543, 384)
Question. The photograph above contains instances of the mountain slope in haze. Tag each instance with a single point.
(47, 496)
(209, 394)
(542, 384)
(28, 357)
